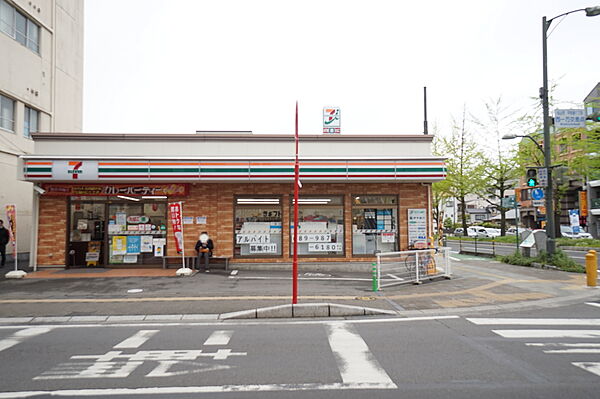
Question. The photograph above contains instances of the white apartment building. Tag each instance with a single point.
(41, 89)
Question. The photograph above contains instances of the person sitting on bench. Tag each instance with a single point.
(204, 248)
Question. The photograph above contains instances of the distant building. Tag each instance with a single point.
(41, 79)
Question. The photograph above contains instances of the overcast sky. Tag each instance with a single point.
(186, 65)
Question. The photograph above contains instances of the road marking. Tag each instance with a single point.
(548, 333)
(559, 351)
(355, 362)
(169, 391)
(592, 367)
(242, 323)
(219, 338)
(535, 322)
(557, 344)
(394, 277)
(21, 336)
(454, 259)
(137, 339)
(593, 304)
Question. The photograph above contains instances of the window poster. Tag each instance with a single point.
(130, 259)
(134, 244)
(121, 218)
(146, 244)
(119, 245)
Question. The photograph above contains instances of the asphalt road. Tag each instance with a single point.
(554, 353)
(489, 248)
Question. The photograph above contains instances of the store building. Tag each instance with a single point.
(360, 194)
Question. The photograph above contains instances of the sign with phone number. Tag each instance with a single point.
(325, 237)
(327, 247)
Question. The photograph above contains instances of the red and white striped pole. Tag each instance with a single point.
(296, 187)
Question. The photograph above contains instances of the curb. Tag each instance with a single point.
(305, 310)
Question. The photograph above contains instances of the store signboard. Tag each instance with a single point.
(417, 228)
(583, 205)
(331, 120)
(569, 118)
(75, 170)
(574, 220)
(131, 190)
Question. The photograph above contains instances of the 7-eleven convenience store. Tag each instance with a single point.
(103, 198)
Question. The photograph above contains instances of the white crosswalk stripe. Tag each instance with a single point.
(552, 348)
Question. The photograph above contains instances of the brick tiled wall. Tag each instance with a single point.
(52, 232)
(215, 201)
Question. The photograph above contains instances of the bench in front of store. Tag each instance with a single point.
(190, 261)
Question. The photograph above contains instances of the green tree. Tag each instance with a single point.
(501, 163)
(464, 167)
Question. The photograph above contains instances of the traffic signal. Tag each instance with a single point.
(532, 179)
(595, 117)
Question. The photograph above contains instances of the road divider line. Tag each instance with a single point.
(219, 338)
(21, 336)
(534, 322)
(548, 333)
(168, 391)
(136, 340)
(353, 357)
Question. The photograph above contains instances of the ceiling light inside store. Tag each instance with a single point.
(254, 201)
(302, 200)
(128, 198)
(154, 197)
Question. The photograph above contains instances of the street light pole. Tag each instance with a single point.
(550, 228)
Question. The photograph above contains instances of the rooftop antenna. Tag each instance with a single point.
(425, 129)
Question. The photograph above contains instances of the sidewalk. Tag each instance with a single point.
(478, 284)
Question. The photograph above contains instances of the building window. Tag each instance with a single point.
(19, 27)
(320, 225)
(374, 224)
(257, 226)
(7, 110)
(31, 122)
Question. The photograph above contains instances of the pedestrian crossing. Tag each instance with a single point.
(563, 329)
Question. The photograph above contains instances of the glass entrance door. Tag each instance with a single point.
(86, 234)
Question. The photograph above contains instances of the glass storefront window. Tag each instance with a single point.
(132, 231)
(320, 226)
(374, 224)
(257, 226)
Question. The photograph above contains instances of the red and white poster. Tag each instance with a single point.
(11, 216)
(177, 221)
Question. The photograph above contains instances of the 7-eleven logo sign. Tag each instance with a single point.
(74, 168)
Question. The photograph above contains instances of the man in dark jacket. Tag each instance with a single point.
(4, 239)
(204, 248)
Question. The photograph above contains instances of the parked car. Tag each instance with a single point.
(567, 231)
(471, 232)
(491, 232)
(477, 231)
(513, 231)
